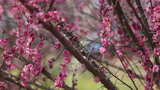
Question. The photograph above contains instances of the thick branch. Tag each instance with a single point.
(82, 59)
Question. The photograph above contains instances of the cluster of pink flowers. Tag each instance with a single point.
(137, 32)
(59, 82)
(35, 3)
(49, 16)
(155, 18)
(28, 44)
(3, 85)
(106, 34)
(144, 53)
(31, 70)
(104, 9)
(26, 74)
(8, 56)
(102, 50)
(24, 46)
(67, 57)
(147, 65)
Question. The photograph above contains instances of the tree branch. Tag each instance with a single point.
(82, 59)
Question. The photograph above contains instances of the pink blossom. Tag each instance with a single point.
(155, 68)
(102, 50)
(106, 22)
(157, 51)
(57, 45)
(31, 51)
(105, 42)
(50, 61)
(67, 60)
(59, 82)
(23, 83)
(66, 53)
(3, 42)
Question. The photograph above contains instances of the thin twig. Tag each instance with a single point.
(82, 59)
